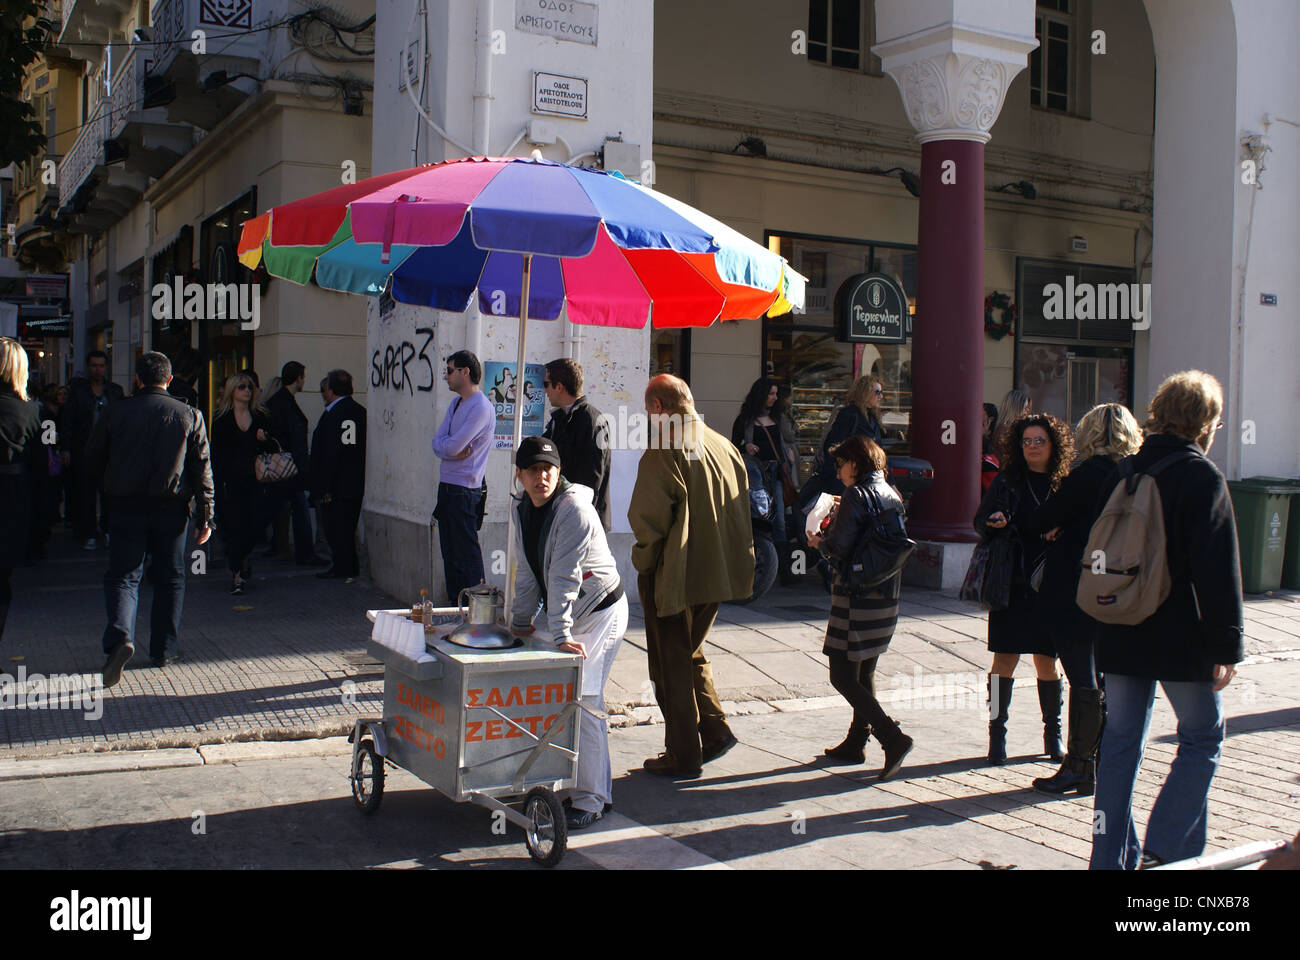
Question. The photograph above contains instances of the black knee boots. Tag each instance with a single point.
(1079, 771)
(1000, 689)
(851, 750)
(1049, 699)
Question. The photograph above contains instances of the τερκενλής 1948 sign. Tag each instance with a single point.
(871, 308)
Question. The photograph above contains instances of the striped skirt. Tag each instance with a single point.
(860, 627)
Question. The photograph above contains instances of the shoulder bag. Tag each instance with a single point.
(883, 550)
(274, 467)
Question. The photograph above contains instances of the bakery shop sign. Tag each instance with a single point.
(871, 308)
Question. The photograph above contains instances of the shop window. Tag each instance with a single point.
(1051, 65)
(805, 350)
(670, 352)
(840, 34)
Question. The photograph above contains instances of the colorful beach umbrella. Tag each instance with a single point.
(529, 238)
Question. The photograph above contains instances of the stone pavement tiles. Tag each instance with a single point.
(769, 803)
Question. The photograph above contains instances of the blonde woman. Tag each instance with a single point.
(1106, 434)
(240, 431)
(20, 430)
(860, 416)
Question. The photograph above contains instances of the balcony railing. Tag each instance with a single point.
(86, 154)
(174, 23)
(127, 93)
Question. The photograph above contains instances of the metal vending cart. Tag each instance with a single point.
(489, 726)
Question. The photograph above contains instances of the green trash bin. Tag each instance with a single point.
(1262, 511)
(1291, 550)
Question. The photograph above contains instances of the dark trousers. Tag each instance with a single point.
(855, 681)
(6, 596)
(340, 519)
(239, 512)
(156, 531)
(1074, 646)
(89, 506)
(462, 557)
(682, 677)
(304, 541)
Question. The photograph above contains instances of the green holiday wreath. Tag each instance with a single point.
(995, 328)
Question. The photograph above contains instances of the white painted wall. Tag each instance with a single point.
(402, 472)
(1268, 83)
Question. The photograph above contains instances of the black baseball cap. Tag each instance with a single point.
(534, 450)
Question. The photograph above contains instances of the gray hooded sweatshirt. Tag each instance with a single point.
(577, 565)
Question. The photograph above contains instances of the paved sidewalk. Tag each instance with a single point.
(286, 662)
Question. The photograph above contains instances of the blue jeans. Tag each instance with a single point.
(1176, 829)
(462, 557)
(137, 531)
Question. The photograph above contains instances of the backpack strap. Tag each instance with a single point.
(1169, 460)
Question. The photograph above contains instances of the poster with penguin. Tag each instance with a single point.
(504, 389)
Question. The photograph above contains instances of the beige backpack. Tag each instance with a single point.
(1125, 575)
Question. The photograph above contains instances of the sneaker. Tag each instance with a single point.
(237, 587)
(580, 819)
(165, 660)
(89, 544)
(118, 659)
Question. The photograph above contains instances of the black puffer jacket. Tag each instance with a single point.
(1200, 624)
(850, 524)
(152, 446)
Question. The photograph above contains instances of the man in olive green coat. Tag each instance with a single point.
(694, 550)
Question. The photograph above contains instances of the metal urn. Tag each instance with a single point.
(480, 629)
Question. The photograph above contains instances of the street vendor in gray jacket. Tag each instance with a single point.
(561, 542)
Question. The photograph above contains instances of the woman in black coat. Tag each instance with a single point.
(1106, 434)
(756, 432)
(240, 431)
(1035, 455)
(20, 432)
(860, 627)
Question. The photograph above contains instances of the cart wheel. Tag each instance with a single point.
(367, 777)
(548, 836)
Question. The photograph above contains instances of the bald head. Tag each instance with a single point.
(670, 393)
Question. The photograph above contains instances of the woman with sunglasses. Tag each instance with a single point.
(240, 431)
(1035, 456)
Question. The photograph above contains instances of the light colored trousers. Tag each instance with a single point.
(601, 635)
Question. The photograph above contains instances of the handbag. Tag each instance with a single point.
(883, 550)
(274, 467)
(989, 573)
(789, 489)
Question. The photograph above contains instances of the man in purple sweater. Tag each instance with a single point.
(462, 444)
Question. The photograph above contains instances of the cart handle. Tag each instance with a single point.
(560, 720)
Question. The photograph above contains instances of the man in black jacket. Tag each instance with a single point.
(1190, 645)
(88, 398)
(338, 472)
(579, 433)
(152, 453)
(289, 427)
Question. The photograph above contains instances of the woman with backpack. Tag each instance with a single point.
(860, 627)
(1106, 434)
(1189, 642)
(1035, 456)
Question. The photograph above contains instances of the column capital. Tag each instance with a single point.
(954, 79)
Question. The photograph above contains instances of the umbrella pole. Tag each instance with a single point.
(511, 559)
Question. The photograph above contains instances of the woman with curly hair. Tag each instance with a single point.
(1106, 434)
(1035, 455)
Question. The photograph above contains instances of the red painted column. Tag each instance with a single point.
(948, 339)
